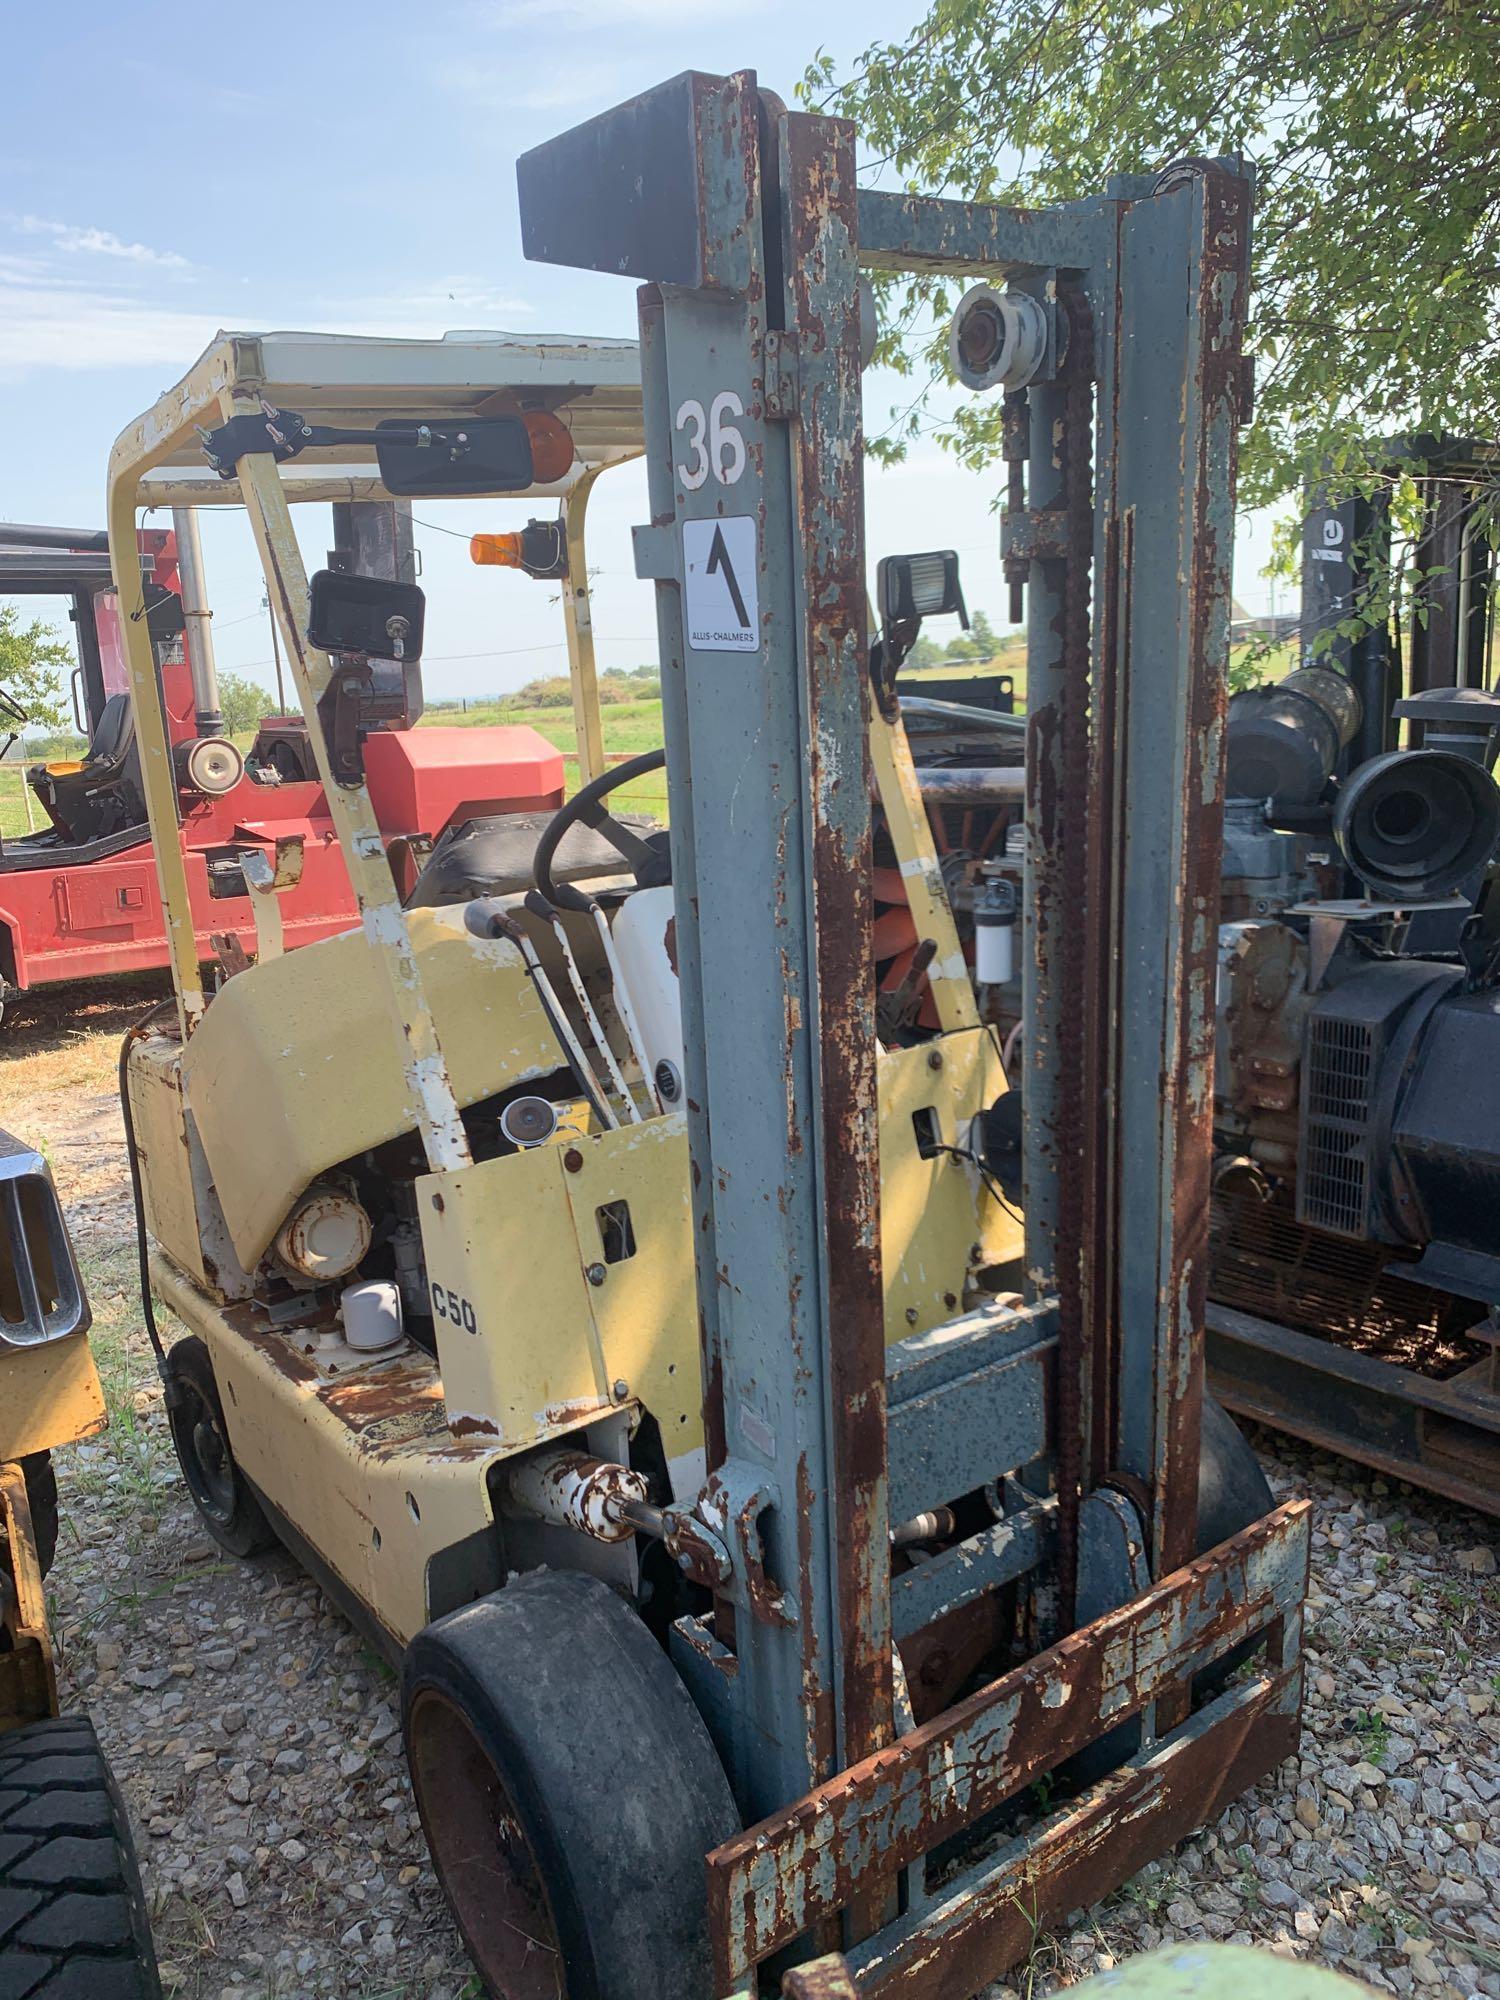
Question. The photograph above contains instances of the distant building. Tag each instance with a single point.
(1246, 627)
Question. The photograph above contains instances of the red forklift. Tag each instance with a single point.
(79, 897)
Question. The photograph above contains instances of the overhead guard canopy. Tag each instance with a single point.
(355, 383)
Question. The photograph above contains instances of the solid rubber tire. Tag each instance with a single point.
(244, 1529)
(73, 1920)
(1233, 1491)
(607, 1766)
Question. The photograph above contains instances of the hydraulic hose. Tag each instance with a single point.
(143, 1255)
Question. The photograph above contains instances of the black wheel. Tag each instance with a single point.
(1233, 1491)
(231, 1513)
(72, 1917)
(569, 1792)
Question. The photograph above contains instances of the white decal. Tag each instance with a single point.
(726, 446)
(725, 449)
(721, 584)
(693, 475)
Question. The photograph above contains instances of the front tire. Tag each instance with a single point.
(568, 1791)
(221, 1493)
(72, 1916)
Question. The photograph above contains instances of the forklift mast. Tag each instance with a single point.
(747, 229)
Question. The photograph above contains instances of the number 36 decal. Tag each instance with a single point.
(448, 1305)
(713, 443)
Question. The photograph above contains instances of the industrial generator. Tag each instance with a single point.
(1356, 1273)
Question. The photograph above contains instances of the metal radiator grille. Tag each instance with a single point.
(1267, 1263)
(1333, 1181)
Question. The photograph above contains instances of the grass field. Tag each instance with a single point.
(629, 727)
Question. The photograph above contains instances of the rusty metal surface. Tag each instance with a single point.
(494, 1879)
(756, 243)
(1441, 1435)
(1081, 962)
(808, 1861)
(573, 1490)
(818, 166)
(1223, 258)
(28, 1680)
(1091, 1847)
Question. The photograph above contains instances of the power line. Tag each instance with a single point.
(505, 653)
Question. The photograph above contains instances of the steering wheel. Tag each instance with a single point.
(647, 857)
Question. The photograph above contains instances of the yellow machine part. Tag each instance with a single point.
(49, 1396)
(536, 1326)
(364, 1467)
(294, 1068)
(154, 1082)
(383, 1472)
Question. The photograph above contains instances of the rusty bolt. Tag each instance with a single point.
(934, 1058)
(621, 1389)
(573, 1161)
(595, 1274)
(437, 1202)
(911, 1315)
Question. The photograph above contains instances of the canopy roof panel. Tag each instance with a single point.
(352, 381)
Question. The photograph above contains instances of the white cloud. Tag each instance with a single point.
(508, 86)
(45, 326)
(98, 242)
(57, 323)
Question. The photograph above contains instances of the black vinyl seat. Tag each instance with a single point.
(492, 855)
(101, 795)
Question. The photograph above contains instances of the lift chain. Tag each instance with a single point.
(1077, 833)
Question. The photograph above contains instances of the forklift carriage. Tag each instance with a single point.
(635, 1340)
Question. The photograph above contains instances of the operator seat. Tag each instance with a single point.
(102, 794)
(494, 854)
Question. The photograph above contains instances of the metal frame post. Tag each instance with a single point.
(778, 974)
(578, 621)
(434, 1105)
(158, 776)
(1173, 397)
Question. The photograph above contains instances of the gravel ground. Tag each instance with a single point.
(256, 1737)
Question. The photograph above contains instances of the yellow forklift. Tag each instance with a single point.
(72, 1916)
(624, 1320)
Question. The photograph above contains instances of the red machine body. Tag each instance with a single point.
(91, 917)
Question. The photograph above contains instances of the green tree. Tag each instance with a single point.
(980, 642)
(34, 662)
(1374, 128)
(242, 703)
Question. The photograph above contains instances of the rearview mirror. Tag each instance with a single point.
(924, 586)
(474, 455)
(367, 615)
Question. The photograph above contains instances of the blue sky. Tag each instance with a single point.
(174, 169)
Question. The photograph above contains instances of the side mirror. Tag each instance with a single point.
(915, 587)
(41, 1294)
(481, 455)
(365, 615)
